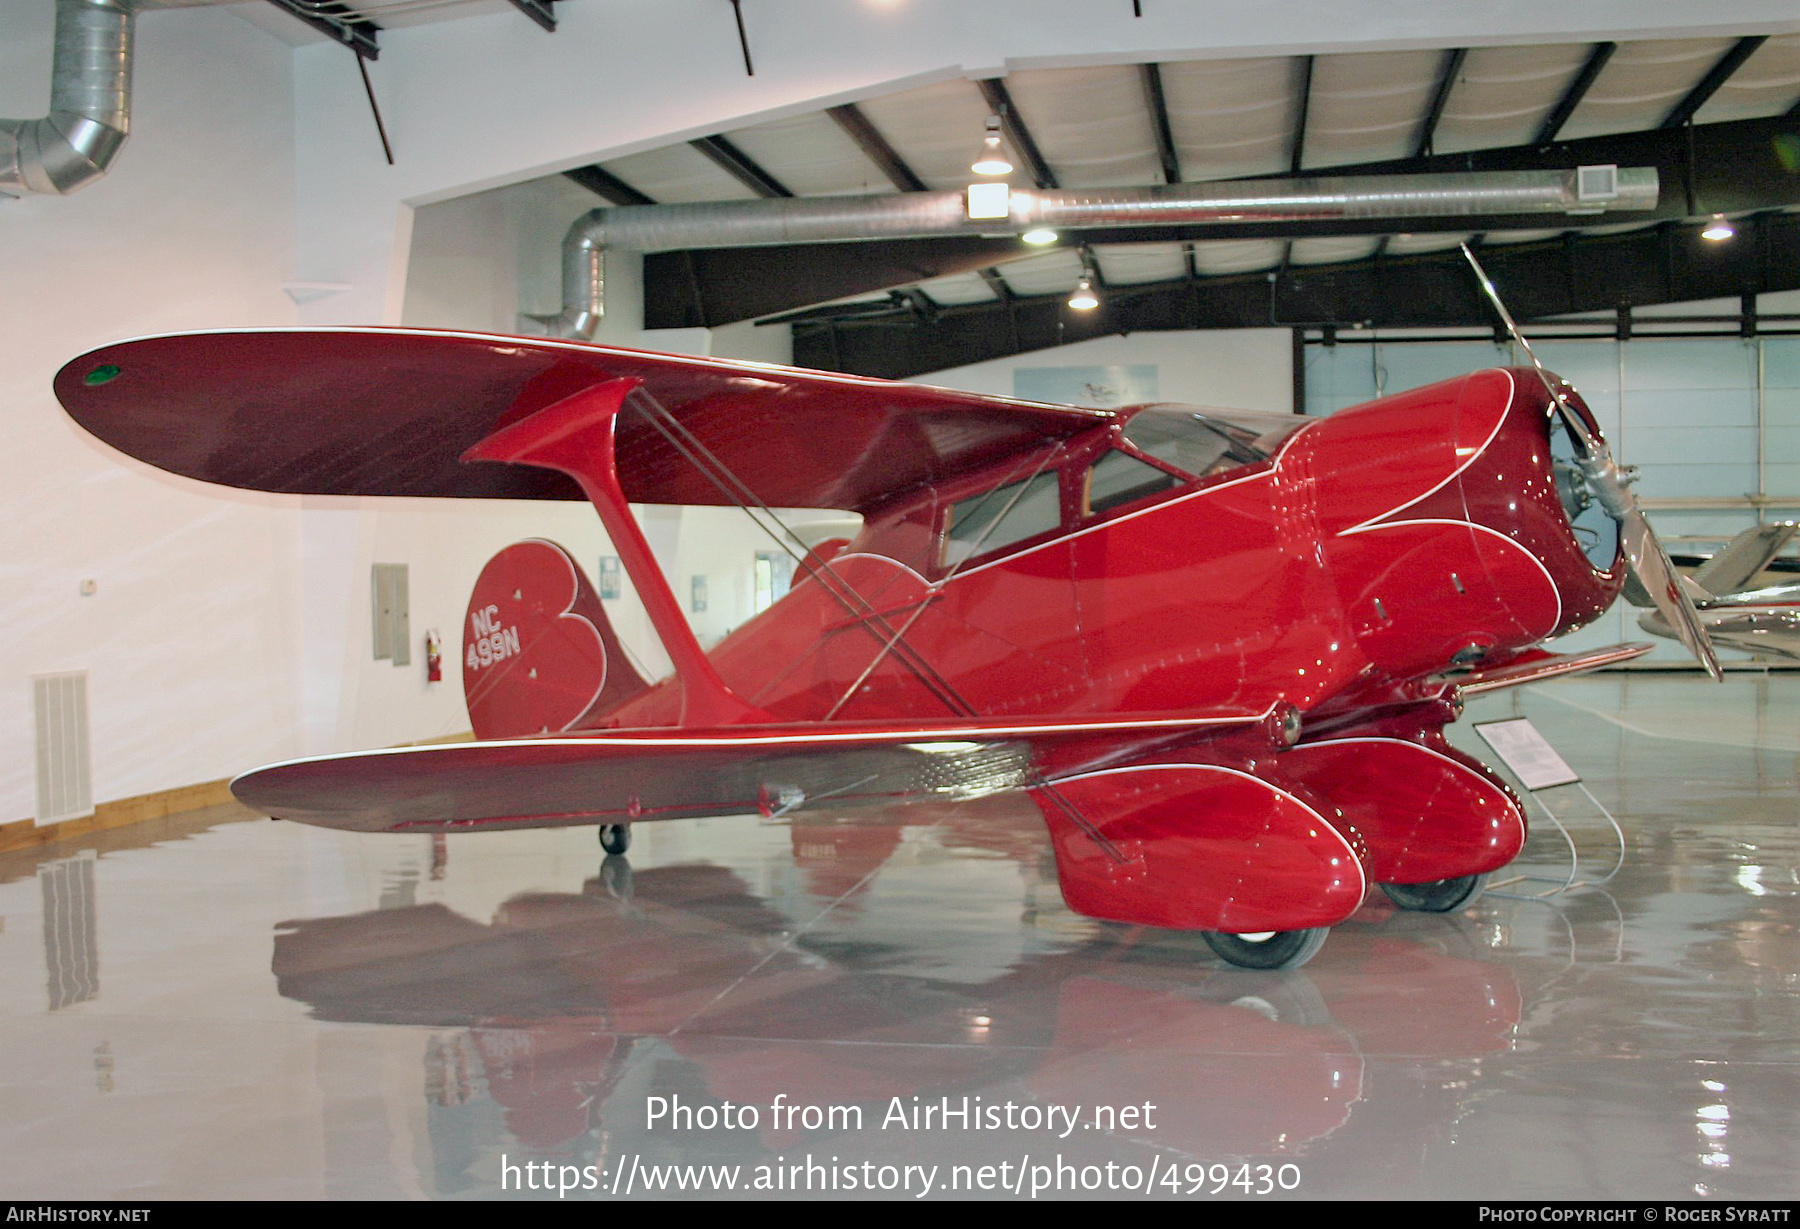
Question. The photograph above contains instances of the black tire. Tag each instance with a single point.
(615, 838)
(1438, 896)
(1281, 949)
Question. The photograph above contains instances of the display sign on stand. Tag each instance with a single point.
(1531, 758)
(1529, 754)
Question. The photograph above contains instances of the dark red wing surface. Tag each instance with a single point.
(390, 411)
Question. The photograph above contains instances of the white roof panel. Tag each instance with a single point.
(1237, 255)
(958, 288)
(811, 156)
(1131, 264)
(1503, 95)
(1767, 83)
(1232, 117)
(677, 173)
(1091, 125)
(1429, 241)
(1046, 273)
(1334, 250)
(935, 129)
(1497, 237)
(1641, 84)
(1368, 107)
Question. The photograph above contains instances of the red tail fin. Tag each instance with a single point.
(539, 655)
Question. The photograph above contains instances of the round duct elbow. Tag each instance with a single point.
(90, 104)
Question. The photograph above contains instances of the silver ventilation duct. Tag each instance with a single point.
(918, 215)
(90, 100)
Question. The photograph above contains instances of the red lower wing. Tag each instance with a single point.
(625, 775)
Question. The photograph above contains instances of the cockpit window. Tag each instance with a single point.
(1118, 478)
(1002, 516)
(1202, 444)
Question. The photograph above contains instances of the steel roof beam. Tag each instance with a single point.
(337, 23)
(1717, 76)
(1571, 97)
(1447, 74)
(1150, 75)
(539, 11)
(739, 165)
(607, 186)
(993, 90)
(1305, 104)
(875, 147)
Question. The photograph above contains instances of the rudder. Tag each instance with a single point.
(539, 655)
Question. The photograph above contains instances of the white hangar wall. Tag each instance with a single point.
(1243, 369)
(229, 629)
(190, 636)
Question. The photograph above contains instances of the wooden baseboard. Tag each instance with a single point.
(28, 834)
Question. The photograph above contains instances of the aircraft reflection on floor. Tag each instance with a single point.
(566, 1009)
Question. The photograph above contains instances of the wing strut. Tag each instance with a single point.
(575, 436)
(854, 604)
(893, 643)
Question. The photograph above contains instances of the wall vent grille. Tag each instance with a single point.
(65, 776)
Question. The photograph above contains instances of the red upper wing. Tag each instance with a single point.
(389, 411)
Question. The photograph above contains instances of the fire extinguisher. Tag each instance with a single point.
(434, 657)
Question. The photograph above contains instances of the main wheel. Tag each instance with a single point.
(1438, 896)
(615, 838)
(1269, 949)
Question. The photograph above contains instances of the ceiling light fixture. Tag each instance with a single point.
(1038, 236)
(1084, 299)
(992, 159)
(1718, 230)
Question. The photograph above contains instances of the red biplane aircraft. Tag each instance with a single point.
(1217, 650)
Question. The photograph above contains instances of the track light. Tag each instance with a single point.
(992, 159)
(1718, 230)
(1084, 299)
(1038, 236)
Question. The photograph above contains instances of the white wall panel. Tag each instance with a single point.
(1245, 369)
(192, 638)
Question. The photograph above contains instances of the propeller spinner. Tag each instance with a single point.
(1609, 485)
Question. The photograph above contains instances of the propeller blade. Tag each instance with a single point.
(1652, 575)
(1650, 565)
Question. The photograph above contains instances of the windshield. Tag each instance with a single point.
(1207, 442)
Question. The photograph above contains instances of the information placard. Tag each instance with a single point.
(1527, 753)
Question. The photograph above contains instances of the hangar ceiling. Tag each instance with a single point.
(1718, 117)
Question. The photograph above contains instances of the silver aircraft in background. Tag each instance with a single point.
(1737, 612)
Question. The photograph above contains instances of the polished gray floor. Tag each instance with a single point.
(247, 1008)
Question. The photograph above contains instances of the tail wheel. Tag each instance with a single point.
(615, 838)
(1269, 949)
(1438, 896)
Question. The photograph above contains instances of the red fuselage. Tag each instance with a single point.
(1361, 554)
